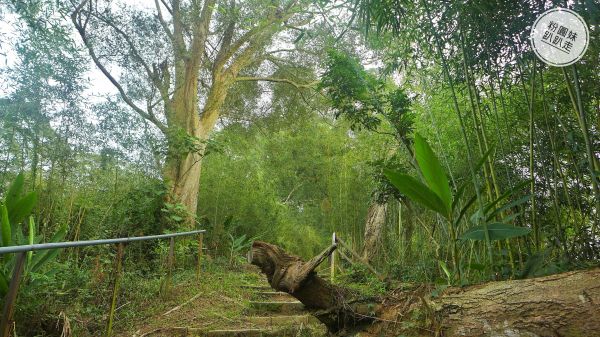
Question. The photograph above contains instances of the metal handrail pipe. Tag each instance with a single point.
(68, 244)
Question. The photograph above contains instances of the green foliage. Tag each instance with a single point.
(361, 279)
(436, 194)
(496, 231)
(417, 191)
(432, 171)
(13, 210)
(238, 246)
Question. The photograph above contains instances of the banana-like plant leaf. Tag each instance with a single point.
(417, 191)
(5, 229)
(432, 171)
(497, 231)
(14, 191)
(22, 208)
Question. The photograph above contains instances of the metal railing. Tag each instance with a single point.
(13, 288)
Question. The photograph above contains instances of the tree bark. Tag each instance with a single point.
(560, 305)
(373, 230)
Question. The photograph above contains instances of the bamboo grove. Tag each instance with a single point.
(426, 134)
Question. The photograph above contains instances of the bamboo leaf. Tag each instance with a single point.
(417, 192)
(464, 209)
(510, 205)
(483, 158)
(496, 231)
(506, 195)
(432, 171)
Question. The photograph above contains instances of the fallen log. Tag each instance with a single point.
(341, 310)
(561, 305)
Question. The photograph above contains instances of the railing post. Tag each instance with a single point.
(332, 266)
(200, 244)
(116, 287)
(11, 296)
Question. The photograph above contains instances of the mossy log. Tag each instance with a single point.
(561, 305)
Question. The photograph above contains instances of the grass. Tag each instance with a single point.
(219, 301)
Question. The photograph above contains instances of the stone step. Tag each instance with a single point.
(277, 296)
(248, 332)
(276, 307)
(282, 320)
(258, 287)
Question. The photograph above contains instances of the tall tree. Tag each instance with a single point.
(179, 61)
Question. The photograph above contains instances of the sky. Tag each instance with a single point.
(99, 86)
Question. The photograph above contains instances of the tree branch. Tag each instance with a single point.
(80, 29)
(279, 80)
(163, 23)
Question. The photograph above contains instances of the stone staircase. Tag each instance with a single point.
(273, 314)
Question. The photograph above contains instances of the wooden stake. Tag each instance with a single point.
(332, 266)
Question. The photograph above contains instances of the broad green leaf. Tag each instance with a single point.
(22, 208)
(417, 191)
(14, 191)
(5, 229)
(432, 171)
(497, 231)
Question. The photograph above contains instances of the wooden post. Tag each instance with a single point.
(332, 266)
(116, 287)
(200, 244)
(11, 296)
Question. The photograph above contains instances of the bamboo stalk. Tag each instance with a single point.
(116, 287)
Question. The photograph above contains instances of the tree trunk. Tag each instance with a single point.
(373, 230)
(341, 310)
(565, 305)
